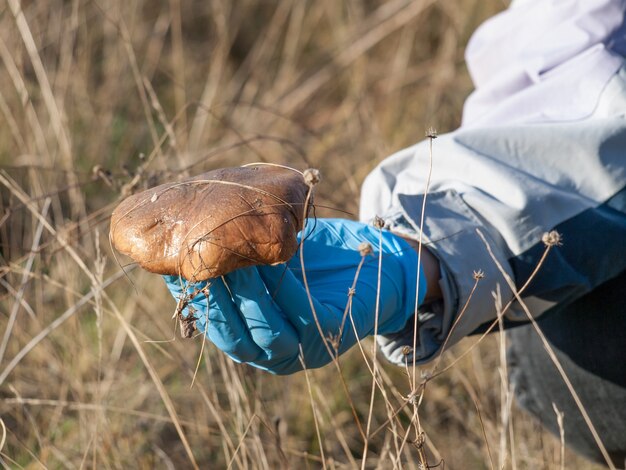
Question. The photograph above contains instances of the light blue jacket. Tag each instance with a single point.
(559, 164)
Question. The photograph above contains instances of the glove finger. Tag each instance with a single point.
(177, 285)
(291, 296)
(266, 323)
(223, 325)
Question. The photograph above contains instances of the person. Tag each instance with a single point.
(541, 149)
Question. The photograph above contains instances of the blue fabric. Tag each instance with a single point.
(588, 337)
(565, 275)
(262, 315)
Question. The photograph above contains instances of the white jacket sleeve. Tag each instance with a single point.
(543, 60)
(514, 177)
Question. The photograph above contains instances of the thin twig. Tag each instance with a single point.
(374, 358)
(559, 420)
(312, 400)
(431, 134)
(456, 322)
(482, 428)
(550, 350)
(25, 276)
(494, 323)
(4, 434)
(203, 334)
(325, 341)
(81, 406)
(241, 439)
(167, 401)
(54, 325)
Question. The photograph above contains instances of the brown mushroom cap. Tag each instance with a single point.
(213, 223)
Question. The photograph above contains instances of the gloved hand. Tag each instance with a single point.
(259, 315)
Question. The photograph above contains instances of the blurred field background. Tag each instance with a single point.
(100, 99)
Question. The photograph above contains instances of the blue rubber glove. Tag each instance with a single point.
(260, 315)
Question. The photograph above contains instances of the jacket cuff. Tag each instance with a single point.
(450, 233)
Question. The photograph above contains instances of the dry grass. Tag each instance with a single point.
(101, 99)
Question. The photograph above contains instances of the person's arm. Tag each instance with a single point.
(540, 149)
(510, 184)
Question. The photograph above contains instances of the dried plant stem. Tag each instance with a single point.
(482, 428)
(241, 439)
(25, 277)
(374, 344)
(245, 142)
(6, 180)
(4, 434)
(348, 310)
(416, 400)
(99, 265)
(326, 342)
(313, 410)
(456, 322)
(156, 105)
(376, 380)
(550, 351)
(276, 165)
(365, 359)
(306, 282)
(54, 325)
(512, 436)
(37, 133)
(29, 451)
(178, 65)
(431, 133)
(80, 406)
(387, 19)
(322, 401)
(203, 334)
(390, 418)
(559, 419)
(169, 405)
(494, 323)
(506, 397)
(120, 24)
(56, 118)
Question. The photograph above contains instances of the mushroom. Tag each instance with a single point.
(209, 225)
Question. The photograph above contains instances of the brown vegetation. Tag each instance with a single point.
(100, 100)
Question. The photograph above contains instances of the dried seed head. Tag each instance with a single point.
(365, 248)
(406, 350)
(379, 222)
(480, 274)
(99, 173)
(552, 238)
(187, 323)
(96, 171)
(311, 176)
(334, 340)
(431, 133)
